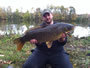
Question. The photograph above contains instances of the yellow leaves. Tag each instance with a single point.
(74, 65)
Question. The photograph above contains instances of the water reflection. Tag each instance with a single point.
(13, 29)
(79, 31)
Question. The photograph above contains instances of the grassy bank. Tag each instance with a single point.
(76, 48)
(9, 54)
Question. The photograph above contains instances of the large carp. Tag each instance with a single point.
(47, 34)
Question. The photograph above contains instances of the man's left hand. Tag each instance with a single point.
(63, 37)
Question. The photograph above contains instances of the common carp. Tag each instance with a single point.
(47, 34)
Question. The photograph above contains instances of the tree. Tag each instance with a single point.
(38, 15)
(16, 16)
(9, 14)
(72, 14)
(26, 16)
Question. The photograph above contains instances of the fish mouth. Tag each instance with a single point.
(68, 33)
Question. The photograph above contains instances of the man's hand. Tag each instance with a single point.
(63, 36)
(33, 41)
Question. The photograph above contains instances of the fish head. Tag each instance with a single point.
(67, 28)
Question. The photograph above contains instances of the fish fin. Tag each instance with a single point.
(19, 44)
(68, 33)
(74, 23)
(33, 28)
(36, 27)
(49, 44)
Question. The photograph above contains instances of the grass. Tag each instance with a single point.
(11, 55)
(76, 48)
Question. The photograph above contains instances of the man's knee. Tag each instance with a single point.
(31, 65)
(25, 65)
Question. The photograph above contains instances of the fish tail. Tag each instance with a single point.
(19, 44)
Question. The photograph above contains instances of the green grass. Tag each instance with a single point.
(11, 55)
(78, 50)
(8, 49)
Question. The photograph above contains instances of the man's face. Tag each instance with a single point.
(48, 18)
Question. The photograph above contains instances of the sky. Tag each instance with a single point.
(81, 6)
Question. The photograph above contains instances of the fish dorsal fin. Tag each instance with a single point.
(49, 44)
(34, 28)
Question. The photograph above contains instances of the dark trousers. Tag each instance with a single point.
(38, 59)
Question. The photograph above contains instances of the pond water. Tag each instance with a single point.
(80, 31)
(13, 29)
(6, 29)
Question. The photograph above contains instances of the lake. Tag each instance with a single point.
(7, 28)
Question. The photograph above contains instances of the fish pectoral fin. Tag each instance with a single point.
(68, 34)
(49, 44)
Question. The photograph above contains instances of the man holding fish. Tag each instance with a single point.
(51, 52)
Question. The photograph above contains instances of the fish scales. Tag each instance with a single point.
(42, 35)
(49, 33)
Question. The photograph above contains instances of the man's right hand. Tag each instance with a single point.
(33, 41)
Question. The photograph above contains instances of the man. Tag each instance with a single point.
(55, 56)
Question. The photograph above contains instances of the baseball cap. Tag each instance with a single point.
(46, 11)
